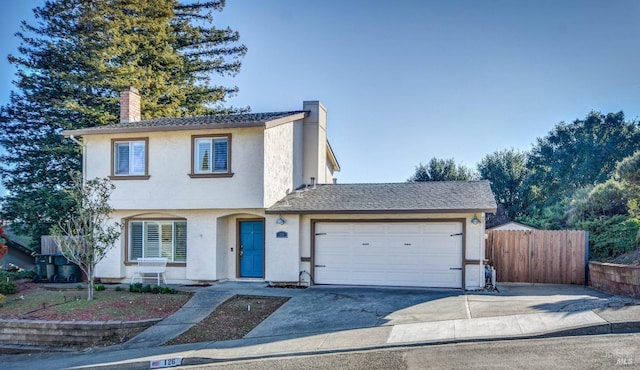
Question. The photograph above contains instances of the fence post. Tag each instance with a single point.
(586, 258)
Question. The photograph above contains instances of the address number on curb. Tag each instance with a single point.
(166, 362)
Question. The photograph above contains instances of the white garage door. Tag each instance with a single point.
(427, 254)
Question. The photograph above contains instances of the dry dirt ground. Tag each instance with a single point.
(231, 320)
(37, 302)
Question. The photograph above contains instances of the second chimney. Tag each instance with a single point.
(130, 105)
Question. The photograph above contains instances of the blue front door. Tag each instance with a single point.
(251, 249)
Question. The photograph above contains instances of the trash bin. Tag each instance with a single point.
(60, 260)
(51, 271)
(41, 265)
(68, 273)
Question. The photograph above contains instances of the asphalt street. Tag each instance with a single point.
(620, 351)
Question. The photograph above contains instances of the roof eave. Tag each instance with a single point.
(332, 158)
(286, 119)
(127, 130)
(379, 211)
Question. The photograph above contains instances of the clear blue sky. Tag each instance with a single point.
(405, 81)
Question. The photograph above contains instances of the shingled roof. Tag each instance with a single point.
(191, 123)
(417, 197)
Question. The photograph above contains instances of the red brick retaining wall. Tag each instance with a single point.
(615, 279)
(66, 333)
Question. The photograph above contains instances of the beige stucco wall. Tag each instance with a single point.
(298, 154)
(169, 186)
(282, 255)
(315, 143)
(278, 162)
(211, 245)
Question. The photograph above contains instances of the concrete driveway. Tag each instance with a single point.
(324, 309)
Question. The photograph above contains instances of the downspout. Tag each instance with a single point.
(84, 157)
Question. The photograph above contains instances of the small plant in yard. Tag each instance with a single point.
(99, 287)
(88, 233)
(7, 287)
(118, 288)
(167, 290)
(157, 289)
(1, 300)
(79, 287)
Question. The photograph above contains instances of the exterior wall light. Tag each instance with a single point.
(280, 221)
(475, 220)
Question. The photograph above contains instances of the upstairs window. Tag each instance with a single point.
(129, 158)
(211, 156)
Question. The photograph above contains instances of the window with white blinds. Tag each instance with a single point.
(129, 158)
(158, 239)
(211, 155)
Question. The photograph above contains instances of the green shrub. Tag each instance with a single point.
(118, 288)
(612, 236)
(7, 287)
(99, 287)
(157, 289)
(15, 275)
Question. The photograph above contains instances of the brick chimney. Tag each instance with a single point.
(130, 105)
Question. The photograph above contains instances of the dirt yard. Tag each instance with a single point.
(38, 302)
(233, 319)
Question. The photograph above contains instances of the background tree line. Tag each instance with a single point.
(582, 175)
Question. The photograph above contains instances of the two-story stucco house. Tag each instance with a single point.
(252, 196)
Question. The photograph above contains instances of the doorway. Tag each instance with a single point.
(251, 248)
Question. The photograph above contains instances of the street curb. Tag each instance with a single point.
(597, 329)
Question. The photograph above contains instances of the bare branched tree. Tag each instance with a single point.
(88, 233)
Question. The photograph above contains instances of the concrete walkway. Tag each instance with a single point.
(402, 317)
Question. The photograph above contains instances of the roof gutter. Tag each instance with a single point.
(376, 211)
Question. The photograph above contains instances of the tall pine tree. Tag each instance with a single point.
(72, 64)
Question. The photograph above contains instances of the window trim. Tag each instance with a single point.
(195, 175)
(127, 236)
(113, 175)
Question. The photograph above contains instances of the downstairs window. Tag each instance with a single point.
(158, 239)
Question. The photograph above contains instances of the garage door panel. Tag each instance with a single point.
(442, 228)
(393, 254)
(367, 229)
(404, 229)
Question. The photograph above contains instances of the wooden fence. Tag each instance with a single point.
(48, 245)
(538, 256)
